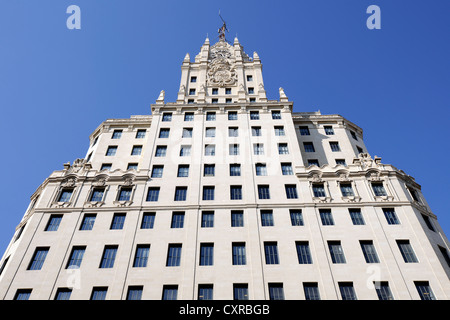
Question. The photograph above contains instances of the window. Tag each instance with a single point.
(210, 116)
(227, 90)
(326, 217)
(153, 194)
(239, 255)
(271, 252)
(38, 258)
(183, 170)
(215, 91)
(407, 251)
(185, 151)
(383, 291)
(106, 166)
(99, 293)
(254, 115)
(188, 116)
(303, 253)
(356, 216)
(249, 78)
(208, 192)
(276, 115)
(205, 292)
(157, 171)
(207, 219)
(279, 131)
(263, 192)
(63, 294)
(251, 90)
(283, 148)
(173, 255)
(214, 100)
(334, 145)
(233, 131)
(228, 100)
(116, 134)
(22, 294)
(234, 149)
(111, 151)
(304, 131)
(276, 291)
(236, 192)
(329, 130)
(97, 194)
(445, 254)
(161, 151)
(177, 220)
(258, 149)
(191, 92)
(108, 257)
(311, 290)
(267, 218)
(209, 170)
(180, 193)
(237, 218)
(296, 217)
(256, 131)
(187, 133)
(286, 169)
(53, 222)
(261, 169)
(125, 193)
(140, 134)
(118, 221)
(240, 291)
(309, 147)
(368, 249)
(148, 220)
(424, 290)
(167, 117)
(65, 195)
(353, 134)
(210, 132)
(347, 291)
(378, 189)
(341, 162)
(360, 150)
(76, 256)
(206, 254)
(336, 252)
(291, 191)
(164, 133)
(390, 216)
(346, 189)
(313, 162)
(170, 292)
(232, 115)
(210, 150)
(413, 193)
(141, 256)
(235, 169)
(134, 292)
(318, 190)
(88, 222)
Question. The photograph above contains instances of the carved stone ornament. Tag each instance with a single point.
(99, 182)
(221, 70)
(315, 177)
(70, 182)
(373, 175)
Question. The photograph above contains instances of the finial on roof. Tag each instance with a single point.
(222, 29)
(187, 57)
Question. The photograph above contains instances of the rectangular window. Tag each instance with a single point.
(209, 170)
(267, 218)
(208, 192)
(383, 291)
(65, 195)
(347, 291)
(148, 220)
(164, 133)
(378, 189)
(180, 193)
(276, 115)
(125, 193)
(336, 252)
(157, 171)
(76, 256)
(111, 151)
(161, 151)
(97, 194)
(291, 191)
(210, 132)
(407, 251)
(286, 169)
(106, 166)
(303, 253)
(63, 294)
(249, 78)
(188, 116)
(153, 194)
(263, 192)
(170, 292)
(173, 255)
(424, 290)
(254, 115)
(233, 131)
(210, 116)
(296, 217)
(167, 117)
(132, 166)
(279, 131)
(227, 90)
(283, 148)
(357, 217)
(187, 133)
(346, 189)
(22, 294)
(276, 291)
(108, 257)
(207, 219)
(341, 162)
(318, 190)
(391, 216)
(304, 131)
(261, 169)
(445, 254)
(311, 290)
(271, 252)
(313, 162)
(326, 217)
(210, 150)
(205, 292)
(118, 221)
(141, 256)
(38, 258)
(116, 134)
(191, 92)
(53, 222)
(368, 249)
(251, 91)
(134, 292)
(193, 79)
(99, 293)
(88, 222)
(215, 91)
(236, 192)
(239, 255)
(234, 149)
(309, 147)
(329, 130)
(235, 169)
(258, 149)
(353, 134)
(232, 115)
(237, 218)
(206, 254)
(240, 291)
(185, 151)
(140, 134)
(177, 220)
(183, 171)
(256, 131)
(334, 145)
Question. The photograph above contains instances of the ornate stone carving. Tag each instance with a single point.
(221, 70)
(69, 182)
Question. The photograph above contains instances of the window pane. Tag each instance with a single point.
(391, 216)
(263, 192)
(173, 255)
(88, 222)
(291, 191)
(239, 255)
(237, 218)
(180, 193)
(240, 291)
(356, 216)
(336, 252)
(205, 292)
(326, 217)
(206, 254)
(208, 219)
(267, 218)
(319, 190)
(38, 259)
(177, 220)
(53, 222)
(99, 293)
(369, 252)
(153, 194)
(271, 252)
(424, 290)
(407, 251)
(311, 291)
(148, 220)
(63, 294)
(296, 217)
(134, 293)
(141, 257)
(235, 192)
(118, 221)
(76, 257)
(109, 256)
(97, 194)
(347, 291)
(276, 291)
(303, 253)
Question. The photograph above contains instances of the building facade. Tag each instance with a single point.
(225, 194)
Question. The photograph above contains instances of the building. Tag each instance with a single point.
(225, 194)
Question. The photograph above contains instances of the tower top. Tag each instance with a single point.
(222, 29)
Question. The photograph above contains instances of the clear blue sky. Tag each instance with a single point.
(57, 85)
